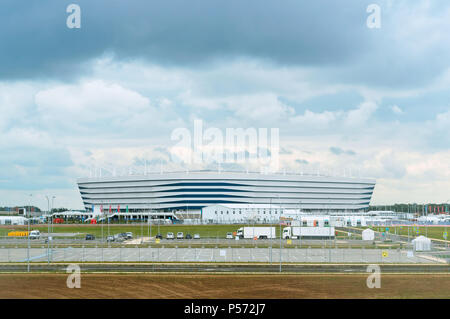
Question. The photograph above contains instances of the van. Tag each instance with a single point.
(35, 234)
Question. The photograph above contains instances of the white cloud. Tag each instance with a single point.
(90, 102)
(360, 115)
(262, 107)
(126, 108)
(443, 120)
(16, 100)
(312, 119)
(396, 109)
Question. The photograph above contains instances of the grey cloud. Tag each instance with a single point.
(34, 167)
(339, 151)
(176, 32)
(285, 151)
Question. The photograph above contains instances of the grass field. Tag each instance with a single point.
(205, 231)
(435, 232)
(223, 286)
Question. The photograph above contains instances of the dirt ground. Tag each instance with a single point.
(175, 286)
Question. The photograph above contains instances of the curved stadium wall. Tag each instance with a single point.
(188, 191)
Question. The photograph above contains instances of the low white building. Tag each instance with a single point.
(242, 213)
(421, 243)
(13, 220)
(368, 234)
(431, 219)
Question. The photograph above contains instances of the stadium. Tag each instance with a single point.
(189, 192)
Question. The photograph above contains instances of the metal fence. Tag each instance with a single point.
(270, 254)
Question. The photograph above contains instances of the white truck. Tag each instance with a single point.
(258, 232)
(295, 232)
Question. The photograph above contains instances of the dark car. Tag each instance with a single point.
(90, 237)
(188, 236)
(159, 236)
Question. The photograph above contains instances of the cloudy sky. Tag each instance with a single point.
(347, 99)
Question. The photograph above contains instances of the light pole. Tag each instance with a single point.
(446, 222)
(48, 229)
(53, 198)
(148, 223)
(281, 237)
(28, 240)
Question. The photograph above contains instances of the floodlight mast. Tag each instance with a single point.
(28, 246)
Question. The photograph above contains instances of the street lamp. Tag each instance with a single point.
(281, 235)
(53, 198)
(28, 249)
(48, 229)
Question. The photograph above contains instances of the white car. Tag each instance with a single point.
(196, 236)
(180, 235)
(35, 234)
(229, 235)
(170, 236)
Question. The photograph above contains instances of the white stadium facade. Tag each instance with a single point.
(186, 195)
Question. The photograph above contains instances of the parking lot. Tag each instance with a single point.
(265, 255)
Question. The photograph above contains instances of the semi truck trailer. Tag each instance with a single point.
(295, 232)
(258, 232)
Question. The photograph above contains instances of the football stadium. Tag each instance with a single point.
(190, 192)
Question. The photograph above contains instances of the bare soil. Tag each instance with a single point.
(174, 286)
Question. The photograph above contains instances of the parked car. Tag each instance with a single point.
(196, 236)
(180, 235)
(170, 236)
(229, 235)
(125, 236)
(129, 235)
(119, 237)
(188, 236)
(90, 237)
(110, 238)
(159, 236)
(35, 234)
